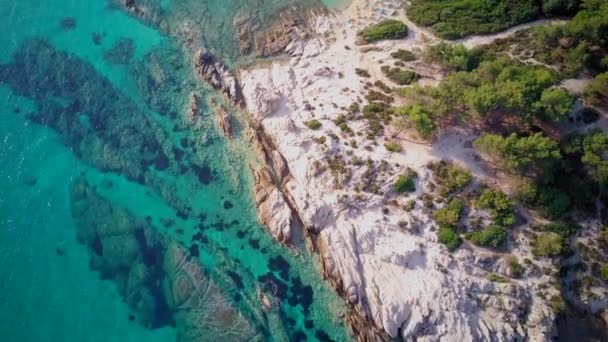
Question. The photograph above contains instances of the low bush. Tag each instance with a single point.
(451, 177)
(548, 245)
(386, 29)
(449, 238)
(385, 88)
(449, 216)
(498, 204)
(404, 55)
(313, 124)
(491, 236)
(393, 146)
(496, 278)
(517, 270)
(562, 228)
(399, 76)
(557, 303)
(405, 183)
(603, 272)
(362, 73)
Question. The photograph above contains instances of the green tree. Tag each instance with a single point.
(491, 236)
(498, 204)
(556, 104)
(595, 153)
(532, 155)
(418, 118)
(449, 215)
(597, 91)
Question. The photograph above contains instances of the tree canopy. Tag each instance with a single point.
(534, 155)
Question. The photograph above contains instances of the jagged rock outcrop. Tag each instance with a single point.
(273, 210)
(215, 73)
(285, 32)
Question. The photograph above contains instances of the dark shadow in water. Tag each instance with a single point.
(160, 281)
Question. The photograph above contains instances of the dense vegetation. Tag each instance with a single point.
(386, 29)
(399, 76)
(534, 155)
(453, 19)
(496, 86)
(571, 47)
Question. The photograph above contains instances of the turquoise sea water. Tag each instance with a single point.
(96, 156)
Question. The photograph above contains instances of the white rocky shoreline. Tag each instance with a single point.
(402, 280)
(406, 282)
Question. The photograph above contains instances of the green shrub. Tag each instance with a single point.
(597, 91)
(399, 76)
(491, 236)
(557, 303)
(604, 272)
(404, 55)
(313, 124)
(405, 183)
(451, 177)
(548, 245)
(386, 29)
(393, 146)
(362, 73)
(417, 118)
(452, 57)
(493, 277)
(562, 228)
(384, 87)
(321, 140)
(449, 216)
(517, 270)
(449, 238)
(498, 204)
(526, 193)
(373, 95)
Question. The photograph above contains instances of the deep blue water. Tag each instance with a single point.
(102, 177)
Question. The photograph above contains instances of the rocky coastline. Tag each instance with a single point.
(401, 280)
(405, 283)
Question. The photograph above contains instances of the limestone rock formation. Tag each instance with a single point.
(216, 73)
(273, 209)
(284, 34)
(407, 283)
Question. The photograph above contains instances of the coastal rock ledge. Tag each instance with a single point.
(402, 280)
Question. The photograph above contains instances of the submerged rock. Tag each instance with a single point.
(160, 280)
(67, 92)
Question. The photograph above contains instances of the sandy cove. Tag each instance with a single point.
(404, 281)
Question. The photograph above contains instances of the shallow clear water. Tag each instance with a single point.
(96, 154)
